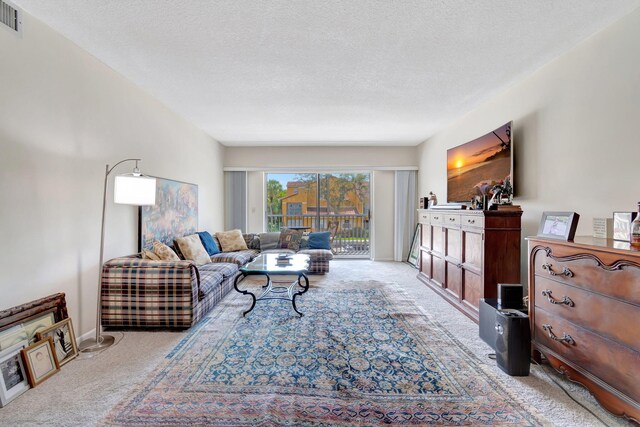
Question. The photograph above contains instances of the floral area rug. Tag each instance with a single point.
(363, 354)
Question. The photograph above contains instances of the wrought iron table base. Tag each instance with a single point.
(277, 291)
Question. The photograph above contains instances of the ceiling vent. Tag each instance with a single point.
(10, 16)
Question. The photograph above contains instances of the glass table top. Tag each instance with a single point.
(275, 264)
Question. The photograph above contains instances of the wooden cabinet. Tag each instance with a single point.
(584, 310)
(465, 254)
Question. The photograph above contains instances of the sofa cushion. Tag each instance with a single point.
(209, 280)
(231, 241)
(269, 240)
(164, 252)
(239, 258)
(192, 248)
(290, 239)
(320, 240)
(317, 254)
(209, 243)
(225, 268)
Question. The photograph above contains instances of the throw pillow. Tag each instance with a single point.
(252, 241)
(231, 241)
(147, 254)
(208, 242)
(191, 247)
(164, 252)
(269, 240)
(320, 240)
(304, 242)
(290, 239)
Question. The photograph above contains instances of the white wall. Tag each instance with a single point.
(576, 132)
(310, 158)
(63, 116)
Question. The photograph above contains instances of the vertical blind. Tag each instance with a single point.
(405, 213)
(235, 195)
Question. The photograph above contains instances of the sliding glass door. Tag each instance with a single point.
(336, 202)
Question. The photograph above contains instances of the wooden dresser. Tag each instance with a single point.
(584, 308)
(464, 254)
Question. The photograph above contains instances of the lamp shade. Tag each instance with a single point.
(134, 190)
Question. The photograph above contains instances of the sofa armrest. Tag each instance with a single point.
(140, 292)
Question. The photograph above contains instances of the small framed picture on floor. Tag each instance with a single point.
(40, 361)
(13, 376)
(64, 340)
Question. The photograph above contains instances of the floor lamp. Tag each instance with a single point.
(129, 189)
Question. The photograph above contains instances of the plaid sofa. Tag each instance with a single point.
(140, 293)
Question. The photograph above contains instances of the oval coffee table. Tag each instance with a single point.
(272, 264)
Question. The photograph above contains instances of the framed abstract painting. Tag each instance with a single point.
(175, 213)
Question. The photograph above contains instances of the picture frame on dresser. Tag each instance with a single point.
(622, 225)
(558, 225)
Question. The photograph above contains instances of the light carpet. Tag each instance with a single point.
(88, 388)
(363, 354)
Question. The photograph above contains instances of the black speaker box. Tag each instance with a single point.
(513, 342)
(487, 322)
(510, 295)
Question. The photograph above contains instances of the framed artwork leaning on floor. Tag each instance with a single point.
(13, 376)
(40, 361)
(64, 340)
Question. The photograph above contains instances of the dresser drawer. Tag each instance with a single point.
(472, 221)
(452, 220)
(424, 217)
(588, 272)
(437, 218)
(608, 360)
(611, 318)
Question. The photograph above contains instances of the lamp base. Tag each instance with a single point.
(90, 345)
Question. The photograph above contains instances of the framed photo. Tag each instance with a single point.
(64, 340)
(13, 376)
(622, 225)
(558, 225)
(414, 252)
(40, 361)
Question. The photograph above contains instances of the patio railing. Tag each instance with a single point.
(350, 232)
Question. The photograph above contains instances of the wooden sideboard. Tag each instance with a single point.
(584, 310)
(464, 254)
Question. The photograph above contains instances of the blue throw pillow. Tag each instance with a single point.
(209, 243)
(320, 240)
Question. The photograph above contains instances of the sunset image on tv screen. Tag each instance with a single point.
(475, 167)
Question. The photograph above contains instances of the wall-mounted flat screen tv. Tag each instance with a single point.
(475, 167)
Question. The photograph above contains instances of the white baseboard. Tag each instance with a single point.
(87, 335)
(384, 259)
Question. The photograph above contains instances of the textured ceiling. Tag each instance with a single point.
(352, 72)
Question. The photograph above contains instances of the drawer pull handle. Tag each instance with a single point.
(452, 219)
(565, 299)
(565, 270)
(435, 217)
(471, 221)
(566, 338)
